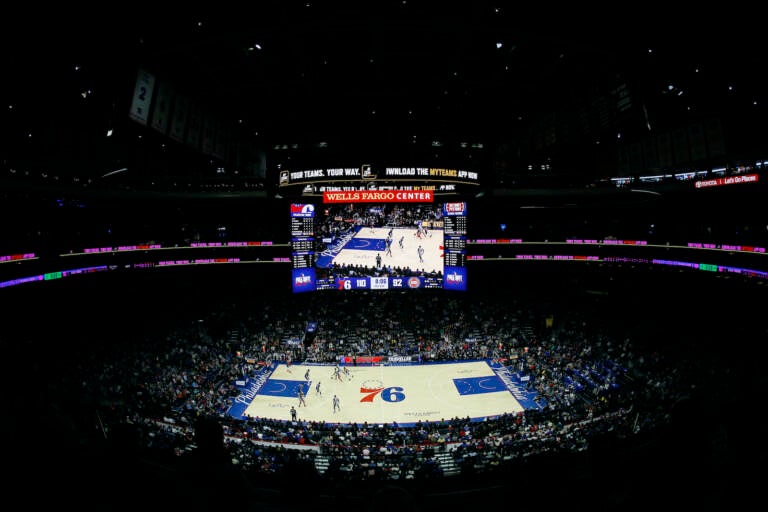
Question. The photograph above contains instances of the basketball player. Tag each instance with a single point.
(301, 398)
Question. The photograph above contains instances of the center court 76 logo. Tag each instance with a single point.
(370, 389)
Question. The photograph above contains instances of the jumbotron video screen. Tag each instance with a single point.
(378, 245)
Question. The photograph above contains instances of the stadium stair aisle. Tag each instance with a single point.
(321, 463)
(447, 463)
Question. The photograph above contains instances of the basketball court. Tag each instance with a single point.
(381, 394)
(369, 242)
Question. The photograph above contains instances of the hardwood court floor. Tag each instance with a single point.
(384, 394)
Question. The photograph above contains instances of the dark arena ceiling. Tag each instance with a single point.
(550, 98)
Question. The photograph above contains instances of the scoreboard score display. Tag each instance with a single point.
(302, 247)
(355, 244)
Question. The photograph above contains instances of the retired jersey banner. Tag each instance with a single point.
(179, 118)
(161, 114)
(209, 126)
(142, 97)
(194, 126)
